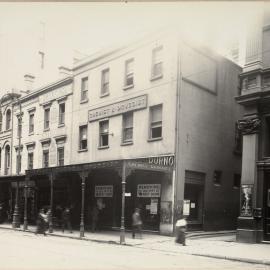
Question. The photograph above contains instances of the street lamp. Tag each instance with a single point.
(16, 218)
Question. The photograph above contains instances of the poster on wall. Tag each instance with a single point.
(154, 207)
(186, 207)
(103, 191)
(148, 190)
(246, 200)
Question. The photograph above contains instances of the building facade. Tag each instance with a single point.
(254, 220)
(148, 125)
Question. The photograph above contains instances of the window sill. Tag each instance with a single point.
(126, 143)
(104, 95)
(103, 147)
(84, 101)
(30, 133)
(61, 125)
(153, 78)
(155, 139)
(126, 87)
(46, 129)
(82, 150)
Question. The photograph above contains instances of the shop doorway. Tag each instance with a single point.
(194, 195)
(267, 207)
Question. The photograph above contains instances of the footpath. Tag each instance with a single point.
(219, 245)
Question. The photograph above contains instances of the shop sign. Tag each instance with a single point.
(186, 207)
(246, 200)
(104, 191)
(22, 184)
(124, 106)
(148, 190)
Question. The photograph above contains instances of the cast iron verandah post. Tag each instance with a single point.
(25, 223)
(122, 228)
(51, 177)
(83, 175)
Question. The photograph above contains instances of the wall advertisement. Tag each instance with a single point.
(103, 191)
(148, 190)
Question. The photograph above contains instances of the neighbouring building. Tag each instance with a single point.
(149, 125)
(254, 219)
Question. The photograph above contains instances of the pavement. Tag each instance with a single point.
(219, 245)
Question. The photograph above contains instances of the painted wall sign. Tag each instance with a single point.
(148, 190)
(124, 106)
(104, 191)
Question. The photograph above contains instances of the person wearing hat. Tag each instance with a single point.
(136, 223)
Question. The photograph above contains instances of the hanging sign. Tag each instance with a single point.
(104, 191)
(148, 190)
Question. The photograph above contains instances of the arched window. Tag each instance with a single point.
(8, 120)
(7, 159)
(1, 121)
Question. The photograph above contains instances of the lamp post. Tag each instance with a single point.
(16, 219)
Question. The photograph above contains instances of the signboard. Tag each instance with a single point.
(104, 191)
(186, 207)
(148, 190)
(154, 206)
(124, 106)
(246, 200)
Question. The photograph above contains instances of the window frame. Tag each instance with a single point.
(126, 128)
(60, 162)
(84, 90)
(104, 83)
(32, 161)
(8, 119)
(61, 116)
(153, 124)
(47, 121)
(101, 134)
(156, 62)
(81, 138)
(47, 152)
(31, 125)
(127, 74)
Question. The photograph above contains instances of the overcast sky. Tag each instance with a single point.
(65, 30)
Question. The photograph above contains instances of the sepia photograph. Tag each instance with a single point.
(134, 135)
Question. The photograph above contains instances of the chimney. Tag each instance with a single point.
(64, 71)
(29, 81)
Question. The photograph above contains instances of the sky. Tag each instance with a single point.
(67, 30)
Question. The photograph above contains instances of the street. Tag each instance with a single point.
(21, 250)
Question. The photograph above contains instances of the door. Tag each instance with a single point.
(267, 207)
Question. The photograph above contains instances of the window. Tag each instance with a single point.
(83, 138)
(157, 62)
(62, 113)
(104, 133)
(45, 158)
(31, 123)
(84, 88)
(236, 180)
(19, 131)
(30, 161)
(217, 177)
(127, 127)
(1, 121)
(129, 75)
(47, 118)
(60, 156)
(251, 81)
(7, 159)
(8, 120)
(105, 82)
(156, 122)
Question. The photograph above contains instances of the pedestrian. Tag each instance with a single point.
(181, 226)
(66, 223)
(95, 216)
(136, 223)
(42, 220)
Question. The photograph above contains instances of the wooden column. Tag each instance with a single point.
(83, 176)
(122, 228)
(25, 222)
(51, 177)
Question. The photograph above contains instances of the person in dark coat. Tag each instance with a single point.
(66, 217)
(42, 221)
(95, 213)
(136, 223)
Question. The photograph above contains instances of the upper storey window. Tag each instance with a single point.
(62, 109)
(157, 62)
(84, 89)
(129, 73)
(8, 120)
(156, 122)
(105, 82)
(47, 118)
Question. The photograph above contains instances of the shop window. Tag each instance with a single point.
(60, 156)
(129, 74)
(105, 82)
(31, 123)
(217, 177)
(8, 120)
(30, 161)
(47, 118)
(45, 158)
(84, 89)
(157, 63)
(104, 133)
(83, 138)
(156, 122)
(127, 136)
(236, 180)
(62, 108)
